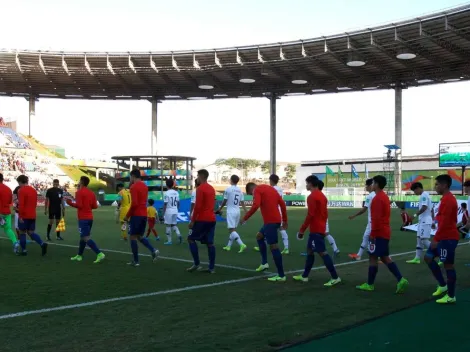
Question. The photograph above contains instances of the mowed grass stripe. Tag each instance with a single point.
(165, 292)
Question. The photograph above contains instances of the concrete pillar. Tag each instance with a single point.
(398, 138)
(32, 111)
(153, 137)
(272, 134)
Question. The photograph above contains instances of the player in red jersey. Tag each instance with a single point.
(405, 218)
(203, 221)
(6, 200)
(380, 237)
(269, 200)
(137, 217)
(445, 241)
(315, 221)
(85, 202)
(27, 203)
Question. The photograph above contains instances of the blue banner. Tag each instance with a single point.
(184, 210)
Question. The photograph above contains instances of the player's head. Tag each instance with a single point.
(170, 184)
(379, 183)
(202, 176)
(196, 183)
(320, 185)
(151, 202)
(312, 182)
(466, 186)
(84, 181)
(417, 188)
(443, 183)
(119, 187)
(55, 183)
(403, 210)
(1, 178)
(22, 180)
(234, 179)
(250, 188)
(463, 206)
(135, 175)
(369, 183)
(273, 179)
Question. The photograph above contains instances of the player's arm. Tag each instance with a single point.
(94, 202)
(282, 205)
(197, 204)
(46, 203)
(255, 206)
(359, 213)
(165, 202)
(224, 202)
(78, 201)
(309, 216)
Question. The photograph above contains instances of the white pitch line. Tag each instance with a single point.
(165, 292)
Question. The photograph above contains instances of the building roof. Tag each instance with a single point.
(440, 41)
(341, 162)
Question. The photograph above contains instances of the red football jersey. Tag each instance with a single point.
(380, 216)
(267, 198)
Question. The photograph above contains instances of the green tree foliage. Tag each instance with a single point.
(290, 170)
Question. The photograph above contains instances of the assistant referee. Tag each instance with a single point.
(55, 207)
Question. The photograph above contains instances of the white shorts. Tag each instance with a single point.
(367, 231)
(16, 221)
(424, 231)
(170, 219)
(327, 227)
(233, 219)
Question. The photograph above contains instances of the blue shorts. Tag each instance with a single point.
(84, 227)
(203, 231)
(269, 231)
(316, 243)
(137, 225)
(445, 250)
(27, 225)
(379, 247)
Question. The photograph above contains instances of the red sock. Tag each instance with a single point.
(154, 233)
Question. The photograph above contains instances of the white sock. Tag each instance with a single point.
(332, 242)
(233, 237)
(238, 239)
(177, 231)
(168, 233)
(285, 239)
(365, 242)
(419, 249)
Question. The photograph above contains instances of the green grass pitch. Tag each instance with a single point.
(161, 307)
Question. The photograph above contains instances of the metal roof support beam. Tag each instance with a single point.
(446, 45)
(153, 136)
(272, 133)
(418, 49)
(321, 66)
(459, 32)
(32, 112)
(398, 137)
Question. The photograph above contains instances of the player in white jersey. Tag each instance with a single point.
(273, 181)
(424, 215)
(193, 197)
(171, 200)
(466, 186)
(366, 207)
(233, 198)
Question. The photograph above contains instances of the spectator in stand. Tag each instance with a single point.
(406, 219)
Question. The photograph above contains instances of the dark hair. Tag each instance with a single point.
(1, 177)
(23, 179)
(464, 205)
(274, 178)
(119, 185)
(136, 173)
(444, 180)
(55, 181)
(249, 186)
(320, 185)
(170, 183)
(369, 182)
(380, 180)
(466, 183)
(204, 173)
(85, 180)
(416, 185)
(313, 180)
(235, 179)
(196, 182)
(151, 202)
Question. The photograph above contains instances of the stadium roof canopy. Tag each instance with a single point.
(432, 49)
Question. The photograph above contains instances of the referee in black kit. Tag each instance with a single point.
(55, 206)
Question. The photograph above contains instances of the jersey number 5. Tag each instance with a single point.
(235, 200)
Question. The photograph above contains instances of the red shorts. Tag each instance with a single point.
(151, 222)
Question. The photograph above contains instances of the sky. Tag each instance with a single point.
(332, 126)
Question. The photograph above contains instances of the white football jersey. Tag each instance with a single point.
(234, 196)
(367, 204)
(281, 193)
(193, 197)
(425, 200)
(171, 199)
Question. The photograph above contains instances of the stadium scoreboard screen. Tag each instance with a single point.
(454, 154)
